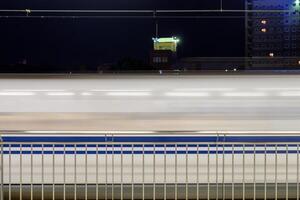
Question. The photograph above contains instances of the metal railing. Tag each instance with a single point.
(162, 165)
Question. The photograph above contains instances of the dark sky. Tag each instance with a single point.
(96, 41)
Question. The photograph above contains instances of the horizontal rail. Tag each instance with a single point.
(154, 132)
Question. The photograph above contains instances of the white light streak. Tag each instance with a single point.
(187, 94)
(86, 94)
(119, 90)
(277, 89)
(89, 132)
(289, 94)
(60, 93)
(32, 90)
(17, 93)
(206, 89)
(128, 93)
(244, 94)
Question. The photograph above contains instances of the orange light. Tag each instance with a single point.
(264, 30)
(264, 21)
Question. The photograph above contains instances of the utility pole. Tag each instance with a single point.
(156, 24)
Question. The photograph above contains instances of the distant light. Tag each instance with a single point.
(264, 21)
(235, 69)
(187, 94)
(289, 94)
(60, 93)
(264, 30)
(128, 93)
(298, 62)
(271, 54)
(17, 93)
(86, 94)
(244, 94)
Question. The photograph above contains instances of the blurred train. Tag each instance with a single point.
(150, 129)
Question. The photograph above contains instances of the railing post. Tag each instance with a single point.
(2, 168)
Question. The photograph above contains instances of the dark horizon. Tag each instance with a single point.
(97, 41)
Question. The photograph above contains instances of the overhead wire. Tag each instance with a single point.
(157, 14)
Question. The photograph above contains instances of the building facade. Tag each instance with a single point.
(273, 30)
(164, 53)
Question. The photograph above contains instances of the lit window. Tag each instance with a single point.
(264, 21)
(264, 30)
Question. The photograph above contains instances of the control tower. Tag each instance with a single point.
(164, 52)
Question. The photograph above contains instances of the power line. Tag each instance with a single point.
(143, 11)
(125, 17)
(128, 17)
(144, 14)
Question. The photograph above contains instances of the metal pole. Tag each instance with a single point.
(165, 172)
(112, 171)
(154, 172)
(208, 171)
(217, 170)
(21, 173)
(106, 176)
(122, 172)
(43, 172)
(132, 172)
(297, 171)
(244, 188)
(265, 173)
(156, 24)
(2, 168)
(64, 175)
(232, 173)
(187, 173)
(9, 173)
(175, 186)
(254, 171)
(86, 173)
(223, 173)
(276, 163)
(221, 5)
(53, 172)
(287, 172)
(75, 172)
(97, 171)
(31, 171)
(197, 197)
(143, 178)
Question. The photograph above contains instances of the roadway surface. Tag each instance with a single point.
(220, 102)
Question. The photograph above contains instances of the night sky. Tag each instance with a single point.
(98, 41)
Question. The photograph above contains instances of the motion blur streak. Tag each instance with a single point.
(225, 103)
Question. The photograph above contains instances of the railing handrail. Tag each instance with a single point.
(154, 133)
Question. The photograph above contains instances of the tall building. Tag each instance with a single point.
(273, 33)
